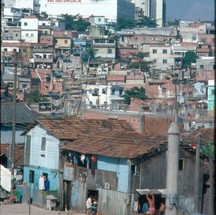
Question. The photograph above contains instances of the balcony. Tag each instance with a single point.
(42, 60)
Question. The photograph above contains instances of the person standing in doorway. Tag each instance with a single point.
(151, 202)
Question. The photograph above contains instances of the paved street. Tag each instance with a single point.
(23, 209)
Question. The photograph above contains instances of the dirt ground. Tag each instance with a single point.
(23, 209)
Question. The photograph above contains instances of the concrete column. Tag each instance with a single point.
(172, 169)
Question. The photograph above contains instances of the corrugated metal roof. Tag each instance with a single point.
(24, 115)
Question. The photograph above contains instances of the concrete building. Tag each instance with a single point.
(158, 11)
(211, 95)
(152, 8)
(29, 29)
(205, 63)
(163, 57)
(103, 96)
(111, 9)
(29, 4)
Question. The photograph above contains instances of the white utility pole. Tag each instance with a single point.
(172, 169)
(13, 126)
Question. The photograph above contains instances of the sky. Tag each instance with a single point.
(190, 10)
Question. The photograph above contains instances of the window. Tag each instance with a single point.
(163, 90)
(164, 61)
(213, 91)
(181, 164)
(25, 23)
(31, 176)
(133, 169)
(27, 35)
(24, 50)
(155, 61)
(5, 50)
(95, 92)
(109, 51)
(164, 51)
(201, 66)
(120, 92)
(154, 51)
(203, 40)
(113, 92)
(65, 41)
(43, 144)
(32, 35)
(104, 91)
(27, 150)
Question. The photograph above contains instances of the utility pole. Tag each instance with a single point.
(197, 176)
(176, 104)
(172, 169)
(175, 82)
(13, 126)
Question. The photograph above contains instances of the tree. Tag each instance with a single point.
(125, 23)
(134, 92)
(140, 63)
(174, 22)
(34, 97)
(190, 57)
(72, 23)
(145, 21)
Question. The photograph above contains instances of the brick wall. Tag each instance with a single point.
(152, 124)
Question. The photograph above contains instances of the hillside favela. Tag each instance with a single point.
(107, 107)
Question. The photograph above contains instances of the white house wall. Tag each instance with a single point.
(51, 152)
(5, 178)
(106, 97)
(30, 36)
(29, 30)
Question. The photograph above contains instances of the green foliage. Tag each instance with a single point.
(125, 23)
(207, 149)
(134, 92)
(91, 53)
(145, 21)
(190, 57)
(144, 66)
(34, 97)
(72, 23)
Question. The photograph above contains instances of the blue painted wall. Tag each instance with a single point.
(211, 95)
(53, 177)
(6, 134)
(199, 89)
(119, 166)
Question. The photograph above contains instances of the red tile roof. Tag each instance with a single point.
(207, 136)
(119, 144)
(73, 128)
